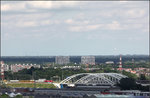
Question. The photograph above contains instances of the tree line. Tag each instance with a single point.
(55, 73)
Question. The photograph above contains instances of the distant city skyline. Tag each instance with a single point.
(65, 28)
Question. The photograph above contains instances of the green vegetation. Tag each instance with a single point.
(142, 77)
(4, 96)
(18, 96)
(130, 75)
(50, 73)
(31, 85)
(130, 84)
(56, 74)
(127, 84)
(137, 64)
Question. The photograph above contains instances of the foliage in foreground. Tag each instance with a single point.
(4, 96)
(130, 84)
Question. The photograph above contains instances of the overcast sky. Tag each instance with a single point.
(45, 28)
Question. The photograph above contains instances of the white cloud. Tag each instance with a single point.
(13, 6)
(76, 28)
(54, 21)
(83, 21)
(27, 20)
(5, 7)
(45, 22)
(26, 24)
(40, 4)
(33, 23)
(123, 1)
(84, 28)
(135, 13)
(115, 25)
(31, 5)
(77, 22)
(69, 21)
(123, 13)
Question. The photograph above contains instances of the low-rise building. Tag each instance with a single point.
(109, 62)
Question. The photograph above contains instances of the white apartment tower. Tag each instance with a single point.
(62, 60)
(90, 60)
(2, 70)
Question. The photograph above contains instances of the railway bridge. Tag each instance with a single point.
(94, 79)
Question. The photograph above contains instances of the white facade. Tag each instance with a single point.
(109, 62)
(62, 60)
(88, 60)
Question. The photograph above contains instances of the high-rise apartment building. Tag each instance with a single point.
(2, 69)
(88, 60)
(62, 60)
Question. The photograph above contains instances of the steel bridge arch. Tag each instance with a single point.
(94, 78)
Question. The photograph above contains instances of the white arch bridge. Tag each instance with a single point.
(94, 78)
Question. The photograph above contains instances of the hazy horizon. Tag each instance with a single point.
(77, 55)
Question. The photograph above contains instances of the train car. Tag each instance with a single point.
(26, 81)
(14, 81)
(48, 81)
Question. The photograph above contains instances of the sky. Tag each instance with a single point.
(51, 28)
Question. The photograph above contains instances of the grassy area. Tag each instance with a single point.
(31, 85)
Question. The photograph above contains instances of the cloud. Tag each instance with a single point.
(46, 22)
(28, 20)
(40, 4)
(69, 21)
(84, 28)
(89, 18)
(30, 5)
(135, 13)
(123, 1)
(115, 25)
(76, 22)
(26, 24)
(34, 23)
(123, 13)
(13, 6)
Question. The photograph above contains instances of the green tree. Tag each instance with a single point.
(4, 96)
(18, 96)
(130, 75)
(127, 84)
(142, 77)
